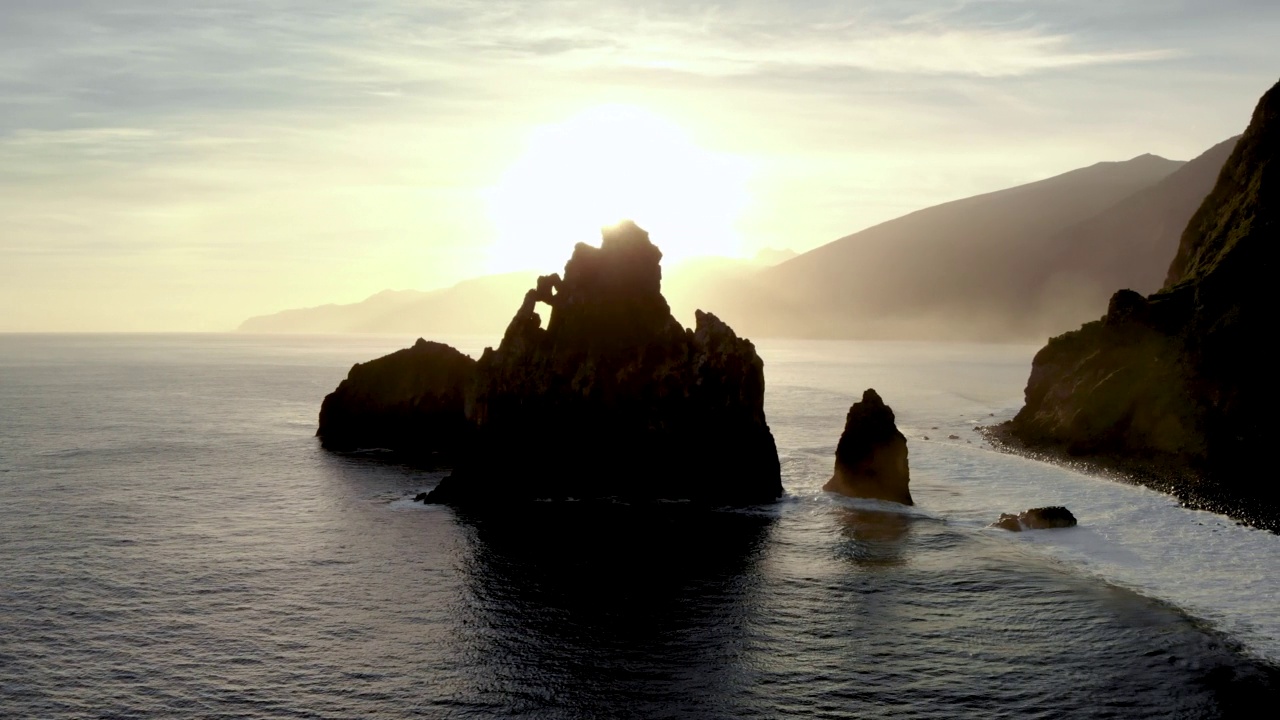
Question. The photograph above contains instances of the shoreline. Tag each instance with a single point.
(1193, 490)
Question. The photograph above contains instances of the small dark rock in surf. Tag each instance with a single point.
(1043, 518)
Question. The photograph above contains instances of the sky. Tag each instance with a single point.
(180, 166)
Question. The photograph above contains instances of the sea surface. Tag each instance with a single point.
(175, 544)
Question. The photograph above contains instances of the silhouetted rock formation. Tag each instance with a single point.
(412, 401)
(1043, 518)
(1179, 387)
(871, 458)
(614, 398)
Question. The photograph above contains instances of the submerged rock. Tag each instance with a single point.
(1178, 388)
(612, 399)
(871, 458)
(412, 401)
(1042, 518)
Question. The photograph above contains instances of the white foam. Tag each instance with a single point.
(1204, 563)
(1131, 536)
(408, 504)
(1215, 570)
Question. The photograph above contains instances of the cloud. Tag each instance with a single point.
(139, 58)
(902, 51)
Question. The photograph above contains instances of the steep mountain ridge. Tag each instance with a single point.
(469, 307)
(955, 270)
(1119, 246)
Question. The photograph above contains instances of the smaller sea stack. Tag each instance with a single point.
(871, 459)
(412, 401)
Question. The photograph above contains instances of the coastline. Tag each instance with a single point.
(1194, 490)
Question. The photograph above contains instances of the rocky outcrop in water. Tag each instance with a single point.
(613, 398)
(1178, 388)
(871, 458)
(1042, 518)
(412, 401)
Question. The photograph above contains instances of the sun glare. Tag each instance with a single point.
(608, 164)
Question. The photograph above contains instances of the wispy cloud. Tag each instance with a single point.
(133, 57)
(885, 49)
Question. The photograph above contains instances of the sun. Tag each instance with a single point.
(608, 164)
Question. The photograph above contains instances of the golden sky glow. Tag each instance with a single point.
(609, 163)
(182, 166)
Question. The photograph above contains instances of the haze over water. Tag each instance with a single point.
(173, 543)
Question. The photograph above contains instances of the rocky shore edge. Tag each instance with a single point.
(1193, 490)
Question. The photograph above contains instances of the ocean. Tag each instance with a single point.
(175, 544)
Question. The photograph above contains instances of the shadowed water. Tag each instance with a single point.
(174, 544)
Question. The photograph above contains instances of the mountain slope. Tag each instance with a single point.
(481, 305)
(476, 306)
(1124, 245)
(960, 269)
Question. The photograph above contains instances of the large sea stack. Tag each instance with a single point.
(613, 398)
(1179, 388)
(871, 458)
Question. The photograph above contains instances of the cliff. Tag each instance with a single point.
(1177, 387)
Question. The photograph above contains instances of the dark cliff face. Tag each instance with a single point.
(871, 458)
(1182, 380)
(614, 398)
(412, 401)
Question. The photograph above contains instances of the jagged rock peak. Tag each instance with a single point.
(614, 398)
(871, 458)
(626, 264)
(871, 418)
